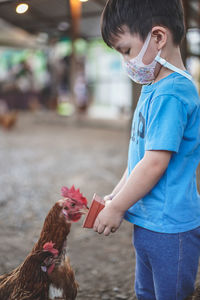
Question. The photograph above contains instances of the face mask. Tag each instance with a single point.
(137, 70)
(145, 74)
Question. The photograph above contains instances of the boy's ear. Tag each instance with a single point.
(160, 35)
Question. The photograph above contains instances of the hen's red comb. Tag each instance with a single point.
(50, 247)
(73, 194)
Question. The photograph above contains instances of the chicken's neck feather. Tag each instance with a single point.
(55, 229)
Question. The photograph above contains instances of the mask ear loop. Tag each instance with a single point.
(144, 49)
(171, 67)
(145, 46)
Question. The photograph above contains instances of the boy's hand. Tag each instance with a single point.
(108, 199)
(108, 220)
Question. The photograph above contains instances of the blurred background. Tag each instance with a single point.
(52, 57)
(65, 113)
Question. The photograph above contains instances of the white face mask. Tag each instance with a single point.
(145, 74)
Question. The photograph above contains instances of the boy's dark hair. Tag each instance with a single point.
(140, 16)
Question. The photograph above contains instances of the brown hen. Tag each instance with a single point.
(46, 273)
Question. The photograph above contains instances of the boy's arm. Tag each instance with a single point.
(121, 183)
(118, 187)
(143, 178)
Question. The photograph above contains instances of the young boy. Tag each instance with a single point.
(158, 191)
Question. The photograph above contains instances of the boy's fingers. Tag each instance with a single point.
(107, 231)
(101, 228)
(95, 226)
(107, 198)
(107, 202)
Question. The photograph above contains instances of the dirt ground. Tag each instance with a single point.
(40, 155)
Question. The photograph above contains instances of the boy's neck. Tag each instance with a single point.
(174, 58)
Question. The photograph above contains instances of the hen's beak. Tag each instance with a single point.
(84, 210)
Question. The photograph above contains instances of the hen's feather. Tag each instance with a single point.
(28, 281)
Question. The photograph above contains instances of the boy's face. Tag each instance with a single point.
(129, 45)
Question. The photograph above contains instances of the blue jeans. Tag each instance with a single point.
(166, 264)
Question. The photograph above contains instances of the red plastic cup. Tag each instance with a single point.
(97, 205)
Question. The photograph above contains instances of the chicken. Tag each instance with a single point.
(19, 287)
(8, 119)
(56, 274)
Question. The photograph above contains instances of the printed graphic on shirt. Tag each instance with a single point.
(141, 129)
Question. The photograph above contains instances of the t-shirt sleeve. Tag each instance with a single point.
(167, 119)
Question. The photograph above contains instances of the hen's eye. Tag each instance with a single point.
(127, 52)
(73, 204)
(66, 208)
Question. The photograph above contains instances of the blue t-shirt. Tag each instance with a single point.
(167, 117)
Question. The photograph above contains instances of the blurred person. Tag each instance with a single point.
(65, 106)
(23, 77)
(63, 78)
(48, 94)
(81, 87)
(22, 92)
(158, 191)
